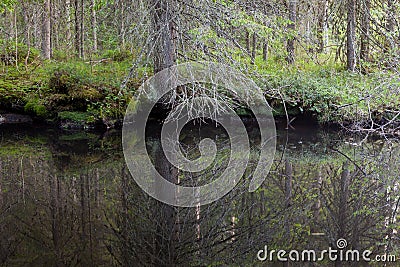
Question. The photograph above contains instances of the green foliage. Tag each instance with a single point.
(36, 107)
(64, 79)
(329, 92)
(9, 53)
(7, 5)
(75, 116)
(68, 85)
(117, 55)
(61, 55)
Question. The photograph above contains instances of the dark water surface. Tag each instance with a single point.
(67, 199)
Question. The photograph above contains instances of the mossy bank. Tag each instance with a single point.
(86, 93)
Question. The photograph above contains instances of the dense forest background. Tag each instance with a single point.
(82, 60)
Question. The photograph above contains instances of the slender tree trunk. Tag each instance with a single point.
(16, 39)
(68, 25)
(82, 30)
(308, 36)
(54, 208)
(27, 35)
(94, 24)
(365, 31)
(322, 25)
(89, 216)
(83, 219)
(248, 41)
(288, 199)
(77, 29)
(390, 24)
(122, 27)
(351, 35)
(36, 30)
(9, 16)
(55, 26)
(26, 22)
(254, 49)
(265, 50)
(344, 196)
(292, 26)
(46, 43)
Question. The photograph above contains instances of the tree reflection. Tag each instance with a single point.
(60, 208)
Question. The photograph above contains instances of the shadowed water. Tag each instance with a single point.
(67, 199)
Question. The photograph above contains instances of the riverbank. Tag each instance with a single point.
(86, 94)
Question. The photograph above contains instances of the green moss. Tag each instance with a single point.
(41, 111)
(35, 106)
(71, 85)
(334, 96)
(76, 116)
(62, 81)
(85, 93)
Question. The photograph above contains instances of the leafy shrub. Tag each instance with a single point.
(72, 87)
(61, 56)
(61, 81)
(118, 55)
(36, 107)
(9, 53)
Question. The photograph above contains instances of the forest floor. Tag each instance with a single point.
(82, 94)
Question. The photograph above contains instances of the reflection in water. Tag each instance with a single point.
(69, 200)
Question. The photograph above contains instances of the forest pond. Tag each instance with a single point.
(67, 199)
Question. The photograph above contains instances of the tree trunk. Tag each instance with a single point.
(247, 41)
(16, 38)
(288, 200)
(351, 35)
(83, 219)
(253, 51)
(167, 233)
(164, 54)
(322, 25)
(122, 27)
(46, 43)
(94, 24)
(365, 31)
(82, 30)
(27, 35)
(68, 25)
(292, 26)
(265, 51)
(55, 209)
(77, 29)
(391, 22)
(55, 27)
(343, 199)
